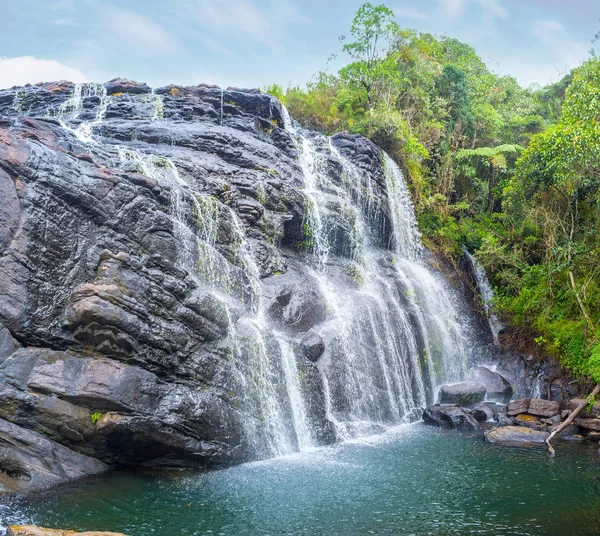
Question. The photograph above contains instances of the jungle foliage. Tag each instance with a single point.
(509, 172)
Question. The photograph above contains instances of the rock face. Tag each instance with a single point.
(462, 394)
(516, 435)
(30, 462)
(189, 279)
(533, 406)
(497, 387)
(30, 530)
(453, 417)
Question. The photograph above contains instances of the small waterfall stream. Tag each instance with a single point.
(487, 296)
(392, 335)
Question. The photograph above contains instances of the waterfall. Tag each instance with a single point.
(391, 343)
(487, 296)
(392, 330)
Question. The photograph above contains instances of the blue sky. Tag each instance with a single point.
(250, 43)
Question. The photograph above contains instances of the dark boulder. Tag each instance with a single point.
(313, 346)
(497, 387)
(453, 417)
(589, 424)
(462, 394)
(485, 410)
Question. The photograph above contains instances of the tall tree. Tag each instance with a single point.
(372, 28)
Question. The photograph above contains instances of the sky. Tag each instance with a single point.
(253, 43)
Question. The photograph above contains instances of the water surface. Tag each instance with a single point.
(413, 480)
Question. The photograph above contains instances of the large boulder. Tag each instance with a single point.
(497, 386)
(31, 462)
(543, 408)
(533, 406)
(452, 417)
(485, 411)
(515, 435)
(462, 394)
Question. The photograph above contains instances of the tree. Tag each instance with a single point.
(371, 28)
(496, 161)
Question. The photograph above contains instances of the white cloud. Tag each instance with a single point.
(241, 19)
(29, 70)
(456, 8)
(564, 51)
(409, 13)
(493, 8)
(453, 8)
(139, 31)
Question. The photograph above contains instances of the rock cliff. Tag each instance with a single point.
(187, 278)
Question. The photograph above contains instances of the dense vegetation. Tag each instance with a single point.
(511, 173)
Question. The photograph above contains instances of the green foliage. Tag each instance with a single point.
(95, 417)
(511, 173)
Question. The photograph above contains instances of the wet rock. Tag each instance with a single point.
(497, 387)
(297, 304)
(516, 407)
(488, 410)
(503, 419)
(313, 346)
(529, 421)
(453, 417)
(462, 394)
(515, 435)
(8, 344)
(30, 462)
(543, 408)
(30, 530)
(570, 430)
(591, 435)
(589, 424)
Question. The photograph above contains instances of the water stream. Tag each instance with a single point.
(392, 337)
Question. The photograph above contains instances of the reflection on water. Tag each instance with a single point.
(413, 480)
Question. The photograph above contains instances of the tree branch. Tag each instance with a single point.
(570, 419)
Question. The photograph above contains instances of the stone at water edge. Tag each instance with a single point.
(31, 462)
(30, 530)
(589, 424)
(516, 435)
(497, 386)
(487, 409)
(529, 421)
(462, 394)
(452, 417)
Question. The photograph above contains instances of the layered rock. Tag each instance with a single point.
(174, 293)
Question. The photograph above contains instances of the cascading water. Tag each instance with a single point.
(391, 330)
(487, 296)
(391, 344)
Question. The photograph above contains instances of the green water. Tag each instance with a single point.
(414, 480)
